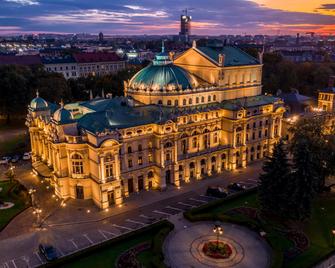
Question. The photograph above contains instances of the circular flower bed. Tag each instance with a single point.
(217, 250)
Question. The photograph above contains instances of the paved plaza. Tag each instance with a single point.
(183, 247)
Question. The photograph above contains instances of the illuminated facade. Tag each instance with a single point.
(182, 118)
(326, 99)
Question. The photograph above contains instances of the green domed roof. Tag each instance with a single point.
(162, 73)
(62, 115)
(38, 103)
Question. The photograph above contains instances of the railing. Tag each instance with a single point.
(202, 152)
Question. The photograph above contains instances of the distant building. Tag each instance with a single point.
(296, 103)
(98, 63)
(185, 27)
(65, 65)
(101, 37)
(326, 100)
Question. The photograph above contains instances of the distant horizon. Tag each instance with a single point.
(151, 17)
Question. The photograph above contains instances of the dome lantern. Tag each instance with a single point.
(38, 103)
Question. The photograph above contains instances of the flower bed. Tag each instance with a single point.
(216, 250)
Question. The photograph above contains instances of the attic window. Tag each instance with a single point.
(139, 131)
(129, 133)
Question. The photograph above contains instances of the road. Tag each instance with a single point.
(80, 224)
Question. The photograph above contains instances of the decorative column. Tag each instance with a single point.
(102, 169)
(117, 167)
(176, 165)
(209, 166)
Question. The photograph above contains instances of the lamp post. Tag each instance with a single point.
(31, 192)
(218, 230)
(37, 211)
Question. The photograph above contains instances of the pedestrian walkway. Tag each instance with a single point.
(183, 246)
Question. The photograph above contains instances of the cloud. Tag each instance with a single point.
(328, 7)
(136, 7)
(96, 16)
(24, 2)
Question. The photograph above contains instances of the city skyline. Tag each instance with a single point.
(212, 17)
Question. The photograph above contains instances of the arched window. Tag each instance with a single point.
(129, 150)
(203, 162)
(169, 102)
(184, 102)
(209, 98)
(215, 138)
(197, 100)
(168, 144)
(139, 147)
(150, 174)
(223, 156)
(190, 101)
(176, 102)
(192, 165)
(160, 102)
(77, 164)
(194, 142)
(214, 97)
(202, 99)
(213, 159)
(109, 166)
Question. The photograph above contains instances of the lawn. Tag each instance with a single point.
(106, 255)
(317, 229)
(15, 193)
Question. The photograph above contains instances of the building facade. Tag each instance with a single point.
(84, 64)
(182, 119)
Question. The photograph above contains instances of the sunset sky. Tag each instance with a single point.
(210, 17)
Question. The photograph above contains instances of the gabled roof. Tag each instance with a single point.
(96, 57)
(233, 55)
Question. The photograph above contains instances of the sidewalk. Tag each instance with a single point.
(84, 211)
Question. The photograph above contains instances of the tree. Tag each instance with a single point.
(275, 186)
(303, 179)
(309, 133)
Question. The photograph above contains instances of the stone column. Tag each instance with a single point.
(102, 169)
(209, 166)
(117, 167)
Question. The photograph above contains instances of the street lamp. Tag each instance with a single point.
(37, 212)
(333, 236)
(218, 230)
(31, 192)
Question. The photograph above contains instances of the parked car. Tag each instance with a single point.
(217, 192)
(15, 159)
(236, 187)
(49, 252)
(26, 156)
(5, 160)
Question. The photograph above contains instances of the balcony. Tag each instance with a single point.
(203, 152)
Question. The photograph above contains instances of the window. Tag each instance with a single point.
(176, 102)
(184, 102)
(168, 157)
(190, 101)
(215, 137)
(130, 163)
(197, 100)
(194, 142)
(266, 133)
(266, 122)
(260, 123)
(129, 150)
(202, 99)
(214, 98)
(209, 98)
(109, 170)
(247, 137)
(253, 135)
(77, 164)
(160, 102)
(248, 126)
(260, 134)
(169, 102)
(254, 125)
(238, 139)
(276, 131)
(140, 147)
(140, 161)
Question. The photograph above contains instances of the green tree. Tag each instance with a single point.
(275, 186)
(303, 180)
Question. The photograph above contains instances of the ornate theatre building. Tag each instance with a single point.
(183, 117)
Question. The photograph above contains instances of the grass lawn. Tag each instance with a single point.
(12, 192)
(107, 256)
(318, 228)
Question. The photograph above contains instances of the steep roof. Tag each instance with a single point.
(233, 55)
(95, 57)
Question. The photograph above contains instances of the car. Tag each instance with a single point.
(5, 160)
(217, 192)
(236, 187)
(48, 251)
(15, 159)
(26, 156)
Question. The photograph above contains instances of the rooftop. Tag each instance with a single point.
(95, 57)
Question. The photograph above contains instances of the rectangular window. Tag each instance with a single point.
(260, 134)
(109, 170)
(77, 167)
(130, 163)
(140, 160)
